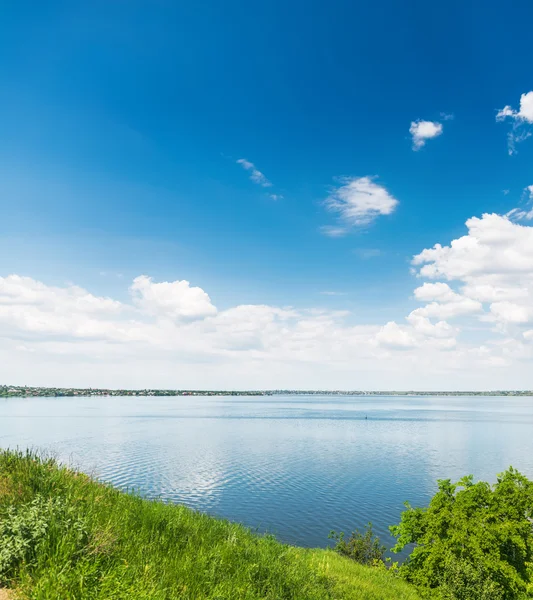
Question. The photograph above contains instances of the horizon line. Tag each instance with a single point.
(223, 391)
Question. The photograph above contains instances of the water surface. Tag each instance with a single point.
(297, 466)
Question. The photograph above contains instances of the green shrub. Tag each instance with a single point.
(473, 542)
(365, 548)
(24, 528)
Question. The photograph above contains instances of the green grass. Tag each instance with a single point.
(65, 536)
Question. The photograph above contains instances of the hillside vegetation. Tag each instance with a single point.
(65, 536)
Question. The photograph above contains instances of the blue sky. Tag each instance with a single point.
(122, 124)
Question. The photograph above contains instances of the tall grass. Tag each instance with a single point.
(65, 536)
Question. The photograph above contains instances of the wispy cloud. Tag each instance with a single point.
(447, 116)
(332, 231)
(358, 201)
(421, 131)
(275, 196)
(367, 253)
(330, 293)
(517, 135)
(255, 174)
(524, 212)
(522, 120)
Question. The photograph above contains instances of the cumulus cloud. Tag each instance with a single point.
(358, 201)
(495, 248)
(171, 334)
(492, 265)
(487, 292)
(392, 335)
(255, 174)
(171, 321)
(449, 310)
(444, 303)
(28, 306)
(441, 292)
(176, 299)
(423, 325)
(521, 118)
(510, 312)
(25, 291)
(421, 131)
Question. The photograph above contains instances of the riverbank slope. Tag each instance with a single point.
(64, 535)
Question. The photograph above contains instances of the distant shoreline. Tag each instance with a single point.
(9, 391)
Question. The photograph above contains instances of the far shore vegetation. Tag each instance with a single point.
(66, 536)
(7, 391)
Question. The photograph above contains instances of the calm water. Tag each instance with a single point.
(297, 466)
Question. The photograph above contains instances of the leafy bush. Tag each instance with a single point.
(473, 542)
(365, 548)
(24, 529)
(21, 530)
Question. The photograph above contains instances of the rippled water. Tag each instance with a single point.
(297, 466)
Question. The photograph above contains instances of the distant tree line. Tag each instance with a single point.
(18, 390)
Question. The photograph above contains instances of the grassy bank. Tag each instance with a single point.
(65, 536)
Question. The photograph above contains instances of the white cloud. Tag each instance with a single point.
(449, 310)
(522, 118)
(421, 131)
(358, 202)
(175, 300)
(30, 307)
(486, 292)
(525, 112)
(475, 311)
(154, 342)
(509, 312)
(494, 246)
(255, 174)
(493, 264)
(421, 324)
(20, 291)
(392, 335)
(441, 292)
(505, 112)
(446, 303)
